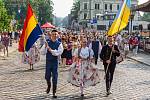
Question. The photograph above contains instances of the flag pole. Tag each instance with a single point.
(113, 45)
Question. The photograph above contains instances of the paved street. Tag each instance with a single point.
(131, 82)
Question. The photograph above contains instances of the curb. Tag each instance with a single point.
(139, 61)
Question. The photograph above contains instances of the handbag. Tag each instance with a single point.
(119, 59)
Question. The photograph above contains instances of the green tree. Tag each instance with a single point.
(146, 16)
(75, 9)
(42, 8)
(4, 18)
(45, 11)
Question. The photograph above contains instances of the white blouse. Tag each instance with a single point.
(84, 53)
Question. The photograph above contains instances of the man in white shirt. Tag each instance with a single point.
(54, 50)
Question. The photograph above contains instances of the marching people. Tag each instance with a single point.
(96, 46)
(108, 54)
(54, 50)
(5, 41)
(83, 72)
(31, 57)
(69, 51)
(63, 56)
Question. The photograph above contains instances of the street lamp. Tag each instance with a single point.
(131, 18)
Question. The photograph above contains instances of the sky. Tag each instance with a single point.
(62, 7)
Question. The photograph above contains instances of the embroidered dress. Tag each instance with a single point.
(32, 56)
(83, 73)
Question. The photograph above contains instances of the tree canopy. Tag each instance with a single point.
(17, 9)
(4, 18)
(75, 9)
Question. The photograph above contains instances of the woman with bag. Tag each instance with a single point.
(82, 72)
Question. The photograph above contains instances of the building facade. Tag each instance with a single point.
(99, 14)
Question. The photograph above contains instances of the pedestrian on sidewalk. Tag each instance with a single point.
(54, 50)
(109, 62)
(126, 49)
(135, 44)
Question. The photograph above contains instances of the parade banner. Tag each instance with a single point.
(121, 20)
(31, 31)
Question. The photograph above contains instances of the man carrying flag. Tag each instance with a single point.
(54, 50)
(110, 51)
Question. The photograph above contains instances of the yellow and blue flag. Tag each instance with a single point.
(31, 31)
(121, 20)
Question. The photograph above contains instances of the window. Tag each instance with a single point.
(135, 27)
(85, 6)
(110, 6)
(105, 6)
(101, 27)
(97, 6)
(98, 17)
(85, 15)
(118, 7)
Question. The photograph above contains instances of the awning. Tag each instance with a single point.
(47, 25)
(145, 7)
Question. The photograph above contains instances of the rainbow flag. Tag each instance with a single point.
(31, 31)
(121, 20)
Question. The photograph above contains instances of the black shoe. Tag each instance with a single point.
(108, 93)
(54, 90)
(48, 90)
(54, 96)
(82, 95)
(48, 87)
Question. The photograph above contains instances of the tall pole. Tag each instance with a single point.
(131, 26)
(90, 3)
(90, 8)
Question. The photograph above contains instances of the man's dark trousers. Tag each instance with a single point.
(109, 74)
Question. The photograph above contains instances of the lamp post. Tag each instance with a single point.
(131, 19)
(90, 11)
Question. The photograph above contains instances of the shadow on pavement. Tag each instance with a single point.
(66, 97)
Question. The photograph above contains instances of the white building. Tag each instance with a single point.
(104, 11)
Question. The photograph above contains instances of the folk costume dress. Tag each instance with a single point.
(32, 56)
(83, 73)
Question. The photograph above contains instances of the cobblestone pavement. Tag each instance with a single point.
(131, 82)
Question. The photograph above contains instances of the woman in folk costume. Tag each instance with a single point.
(31, 57)
(82, 72)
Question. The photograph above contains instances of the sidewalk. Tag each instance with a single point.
(11, 49)
(141, 57)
